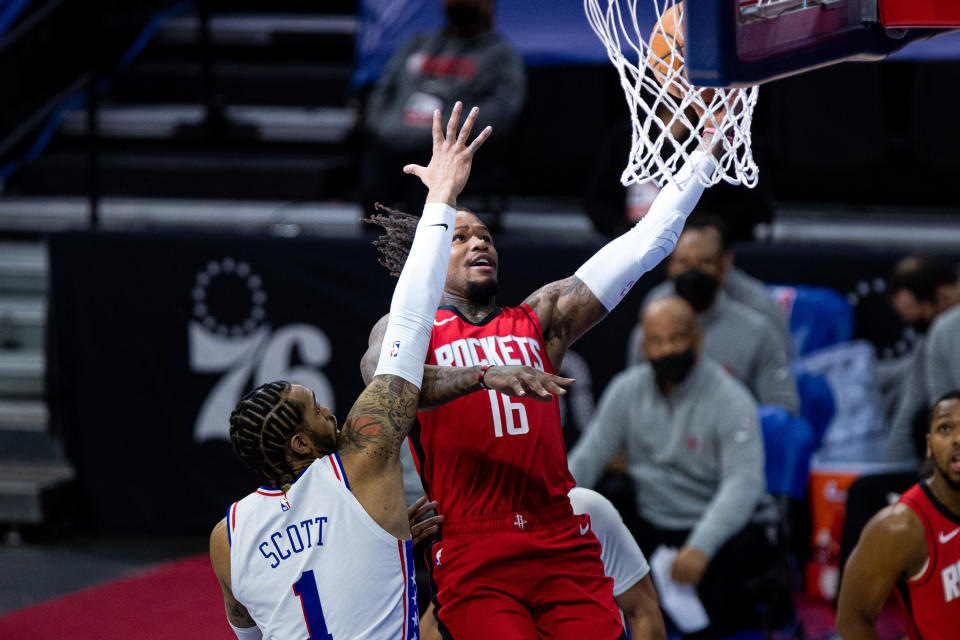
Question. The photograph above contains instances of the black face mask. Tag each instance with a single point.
(672, 369)
(697, 288)
(468, 18)
(921, 326)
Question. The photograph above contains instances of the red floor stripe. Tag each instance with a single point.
(170, 602)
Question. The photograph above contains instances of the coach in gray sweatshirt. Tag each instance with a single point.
(744, 342)
(695, 454)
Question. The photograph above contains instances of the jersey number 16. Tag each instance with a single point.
(515, 425)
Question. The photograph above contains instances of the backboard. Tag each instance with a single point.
(737, 43)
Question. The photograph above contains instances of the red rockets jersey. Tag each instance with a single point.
(488, 453)
(931, 600)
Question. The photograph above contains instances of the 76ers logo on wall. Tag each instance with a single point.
(229, 334)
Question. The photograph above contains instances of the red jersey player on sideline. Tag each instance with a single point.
(913, 545)
(513, 560)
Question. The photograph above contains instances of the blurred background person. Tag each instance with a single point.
(465, 60)
(921, 287)
(745, 342)
(695, 454)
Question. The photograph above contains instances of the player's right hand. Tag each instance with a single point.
(525, 382)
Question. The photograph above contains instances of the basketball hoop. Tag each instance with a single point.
(669, 114)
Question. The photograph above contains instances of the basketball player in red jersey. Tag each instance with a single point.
(913, 545)
(513, 560)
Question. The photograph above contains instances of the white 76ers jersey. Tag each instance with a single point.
(311, 564)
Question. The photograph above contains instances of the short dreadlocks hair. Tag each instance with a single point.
(260, 427)
(399, 228)
(394, 245)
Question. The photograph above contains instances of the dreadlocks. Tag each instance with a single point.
(260, 426)
(394, 245)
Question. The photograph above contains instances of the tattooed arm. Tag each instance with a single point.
(237, 614)
(567, 309)
(369, 447)
(443, 384)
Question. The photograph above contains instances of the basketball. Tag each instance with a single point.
(666, 47)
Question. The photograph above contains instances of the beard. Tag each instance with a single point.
(944, 473)
(325, 443)
(482, 292)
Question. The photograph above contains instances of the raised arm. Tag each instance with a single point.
(890, 548)
(569, 308)
(369, 442)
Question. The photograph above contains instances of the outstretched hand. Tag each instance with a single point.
(525, 382)
(449, 167)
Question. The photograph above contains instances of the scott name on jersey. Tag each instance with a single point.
(296, 538)
(490, 350)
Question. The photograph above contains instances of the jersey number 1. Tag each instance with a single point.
(306, 589)
(515, 427)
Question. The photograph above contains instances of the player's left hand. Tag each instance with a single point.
(689, 566)
(421, 529)
(449, 167)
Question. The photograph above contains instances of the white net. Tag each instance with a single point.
(669, 114)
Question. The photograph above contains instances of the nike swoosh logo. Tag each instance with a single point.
(583, 530)
(944, 539)
(440, 224)
(443, 322)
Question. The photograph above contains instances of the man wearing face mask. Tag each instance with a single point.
(695, 454)
(921, 287)
(746, 343)
(467, 60)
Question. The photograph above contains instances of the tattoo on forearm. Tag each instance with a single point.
(380, 418)
(443, 384)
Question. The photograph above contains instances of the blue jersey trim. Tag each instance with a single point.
(229, 533)
(302, 471)
(342, 471)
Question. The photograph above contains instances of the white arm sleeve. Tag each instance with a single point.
(622, 559)
(417, 295)
(613, 270)
(249, 633)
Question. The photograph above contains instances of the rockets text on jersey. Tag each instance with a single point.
(487, 452)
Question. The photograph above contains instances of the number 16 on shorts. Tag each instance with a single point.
(506, 411)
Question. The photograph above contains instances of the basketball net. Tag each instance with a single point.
(668, 127)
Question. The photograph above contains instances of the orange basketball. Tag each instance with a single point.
(666, 47)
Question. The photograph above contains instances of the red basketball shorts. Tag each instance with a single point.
(534, 574)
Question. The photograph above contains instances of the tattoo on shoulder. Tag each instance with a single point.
(380, 418)
(578, 294)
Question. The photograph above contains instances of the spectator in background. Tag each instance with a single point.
(921, 288)
(744, 341)
(466, 60)
(736, 283)
(942, 357)
(695, 454)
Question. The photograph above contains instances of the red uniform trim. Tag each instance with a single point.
(403, 572)
(335, 471)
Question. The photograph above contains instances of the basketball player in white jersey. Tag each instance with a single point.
(323, 549)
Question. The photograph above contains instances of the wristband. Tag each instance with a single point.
(483, 372)
(713, 132)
